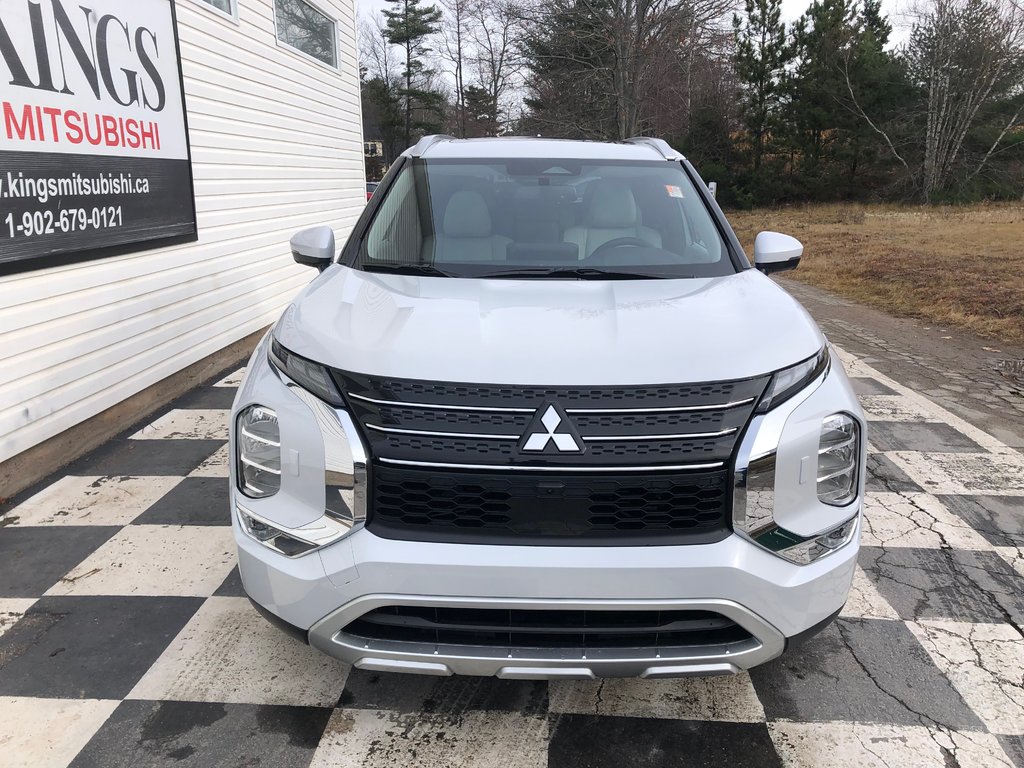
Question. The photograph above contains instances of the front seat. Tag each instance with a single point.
(466, 233)
(610, 214)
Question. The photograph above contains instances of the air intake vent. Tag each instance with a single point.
(547, 628)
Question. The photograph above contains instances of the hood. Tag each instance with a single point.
(549, 332)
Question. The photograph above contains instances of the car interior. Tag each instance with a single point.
(595, 215)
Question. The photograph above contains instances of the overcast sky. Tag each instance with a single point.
(791, 9)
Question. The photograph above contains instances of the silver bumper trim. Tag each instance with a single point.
(328, 636)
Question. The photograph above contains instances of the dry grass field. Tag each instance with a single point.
(950, 266)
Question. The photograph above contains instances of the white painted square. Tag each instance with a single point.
(852, 364)
(48, 733)
(985, 663)
(894, 408)
(214, 466)
(912, 519)
(12, 609)
(862, 745)
(189, 423)
(74, 500)
(1014, 556)
(730, 698)
(154, 560)
(232, 379)
(471, 739)
(229, 653)
(865, 601)
(990, 474)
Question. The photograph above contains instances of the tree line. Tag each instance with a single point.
(824, 108)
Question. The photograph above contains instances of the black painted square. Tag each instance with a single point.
(1000, 519)
(208, 397)
(962, 585)
(193, 501)
(89, 647)
(185, 734)
(1013, 746)
(448, 695)
(591, 741)
(864, 670)
(884, 475)
(173, 456)
(33, 559)
(231, 586)
(920, 436)
(864, 387)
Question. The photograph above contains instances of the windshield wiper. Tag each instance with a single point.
(406, 269)
(580, 273)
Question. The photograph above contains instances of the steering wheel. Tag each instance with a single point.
(619, 242)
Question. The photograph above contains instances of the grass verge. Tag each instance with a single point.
(950, 266)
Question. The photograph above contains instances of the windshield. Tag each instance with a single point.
(544, 218)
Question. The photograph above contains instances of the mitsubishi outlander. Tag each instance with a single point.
(540, 417)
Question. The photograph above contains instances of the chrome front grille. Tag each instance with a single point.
(453, 462)
(675, 427)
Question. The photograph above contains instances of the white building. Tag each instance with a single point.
(274, 129)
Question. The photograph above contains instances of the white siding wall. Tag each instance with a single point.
(276, 146)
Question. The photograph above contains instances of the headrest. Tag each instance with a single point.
(612, 206)
(466, 215)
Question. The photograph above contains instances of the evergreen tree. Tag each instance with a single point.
(481, 112)
(760, 61)
(569, 54)
(409, 25)
(818, 108)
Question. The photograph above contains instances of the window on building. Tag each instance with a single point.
(224, 6)
(307, 29)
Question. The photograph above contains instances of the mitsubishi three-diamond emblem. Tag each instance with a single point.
(543, 433)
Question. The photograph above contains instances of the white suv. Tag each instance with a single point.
(540, 418)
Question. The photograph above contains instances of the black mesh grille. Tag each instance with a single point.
(479, 507)
(547, 628)
(498, 395)
(450, 460)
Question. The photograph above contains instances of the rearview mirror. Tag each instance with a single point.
(776, 252)
(313, 247)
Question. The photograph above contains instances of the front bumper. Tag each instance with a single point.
(771, 598)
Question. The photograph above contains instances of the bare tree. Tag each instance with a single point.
(375, 53)
(625, 44)
(497, 26)
(453, 49)
(964, 54)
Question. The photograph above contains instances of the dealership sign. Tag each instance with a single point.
(94, 154)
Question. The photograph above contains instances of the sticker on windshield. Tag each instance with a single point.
(673, 191)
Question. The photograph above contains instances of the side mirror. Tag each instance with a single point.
(313, 247)
(776, 252)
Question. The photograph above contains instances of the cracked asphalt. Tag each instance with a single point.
(126, 639)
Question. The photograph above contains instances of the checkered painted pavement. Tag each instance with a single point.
(125, 638)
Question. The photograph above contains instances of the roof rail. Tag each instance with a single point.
(421, 146)
(658, 145)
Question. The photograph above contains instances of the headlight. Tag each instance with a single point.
(259, 452)
(307, 374)
(789, 381)
(838, 457)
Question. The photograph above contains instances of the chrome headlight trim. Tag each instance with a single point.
(753, 512)
(345, 479)
(291, 542)
(345, 463)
